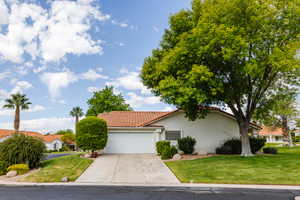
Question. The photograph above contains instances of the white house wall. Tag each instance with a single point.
(51, 145)
(209, 132)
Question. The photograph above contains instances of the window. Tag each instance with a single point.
(173, 135)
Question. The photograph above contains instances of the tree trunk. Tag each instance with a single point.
(17, 119)
(76, 122)
(246, 148)
(286, 131)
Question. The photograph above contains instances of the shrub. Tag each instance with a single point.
(3, 167)
(20, 168)
(168, 152)
(186, 144)
(91, 134)
(22, 149)
(234, 145)
(161, 145)
(223, 150)
(270, 150)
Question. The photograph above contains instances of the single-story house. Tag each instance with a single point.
(138, 131)
(52, 142)
(272, 134)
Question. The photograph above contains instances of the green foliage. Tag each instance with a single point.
(68, 138)
(20, 168)
(168, 152)
(17, 100)
(91, 134)
(63, 132)
(106, 101)
(161, 145)
(20, 149)
(3, 167)
(76, 112)
(236, 53)
(270, 150)
(234, 145)
(186, 144)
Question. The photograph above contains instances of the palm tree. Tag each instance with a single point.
(76, 112)
(18, 102)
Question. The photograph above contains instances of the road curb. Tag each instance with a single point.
(183, 185)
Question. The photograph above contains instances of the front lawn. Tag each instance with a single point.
(282, 168)
(55, 169)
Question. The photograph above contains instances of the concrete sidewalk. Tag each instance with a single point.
(128, 168)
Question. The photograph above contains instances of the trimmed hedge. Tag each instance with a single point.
(186, 144)
(161, 145)
(20, 149)
(234, 145)
(20, 168)
(3, 167)
(270, 150)
(91, 134)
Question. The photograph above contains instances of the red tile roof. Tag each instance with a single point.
(144, 118)
(47, 138)
(51, 138)
(271, 131)
(130, 118)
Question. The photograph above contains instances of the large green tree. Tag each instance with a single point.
(106, 101)
(18, 102)
(234, 53)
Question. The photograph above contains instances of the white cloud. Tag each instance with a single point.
(137, 101)
(4, 75)
(168, 108)
(55, 81)
(51, 33)
(11, 112)
(130, 81)
(21, 86)
(121, 24)
(92, 75)
(43, 125)
(93, 89)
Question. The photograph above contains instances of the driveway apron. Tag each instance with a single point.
(128, 168)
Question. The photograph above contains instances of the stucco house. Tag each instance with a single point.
(272, 135)
(138, 131)
(52, 142)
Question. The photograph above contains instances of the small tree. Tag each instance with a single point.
(91, 134)
(18, 102)
(106, 101)
(280, 111)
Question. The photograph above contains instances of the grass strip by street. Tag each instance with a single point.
(282, 168)
(55, 169)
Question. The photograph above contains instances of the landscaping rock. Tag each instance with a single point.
(203, 153)
(65, 179)
(195, 153)
(11, 174)
(180, 152)
(177, 157)
(87, 155)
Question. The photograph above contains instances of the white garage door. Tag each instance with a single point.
(130, 143)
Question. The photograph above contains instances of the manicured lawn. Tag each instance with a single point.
(283, 168)
(55, 169)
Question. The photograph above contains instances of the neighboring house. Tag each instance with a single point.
(272, 135)
(138, 131)
(52, 142)
(297, 132)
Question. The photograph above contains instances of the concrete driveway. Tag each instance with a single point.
(128, 168)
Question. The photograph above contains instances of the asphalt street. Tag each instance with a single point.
(138, 193)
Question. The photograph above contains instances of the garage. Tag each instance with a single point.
(126, 142)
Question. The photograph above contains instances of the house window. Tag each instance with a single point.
(173, 135)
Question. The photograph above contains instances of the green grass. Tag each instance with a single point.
(283, 168)
(55, 169)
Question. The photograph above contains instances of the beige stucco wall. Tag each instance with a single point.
(209, 132)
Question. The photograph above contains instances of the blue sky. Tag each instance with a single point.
(59, 52)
